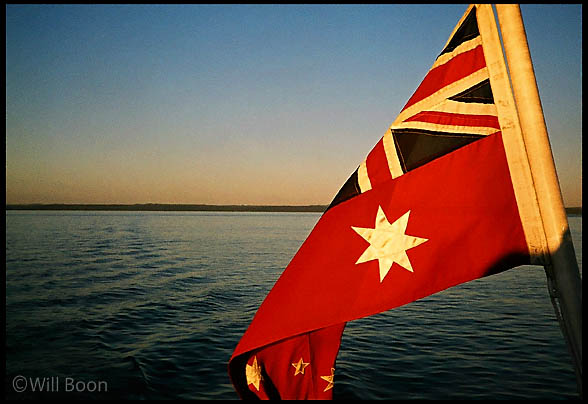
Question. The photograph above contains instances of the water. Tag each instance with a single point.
(150, 305)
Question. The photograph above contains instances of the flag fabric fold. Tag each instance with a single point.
(433, 205)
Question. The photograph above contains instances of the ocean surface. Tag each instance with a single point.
(150, 305)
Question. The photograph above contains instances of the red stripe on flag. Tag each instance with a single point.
(377, 165)
(457, 68)
(446, 118)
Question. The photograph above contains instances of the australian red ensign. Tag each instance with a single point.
(431, 206)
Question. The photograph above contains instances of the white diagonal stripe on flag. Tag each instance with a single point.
(392, 155)
(462, 48)
(465, 108)
(474, 130)
(448, 91)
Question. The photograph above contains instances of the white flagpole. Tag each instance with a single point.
(561, 267)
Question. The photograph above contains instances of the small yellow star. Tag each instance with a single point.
(253, 373)
(300, 366)
(329, 379)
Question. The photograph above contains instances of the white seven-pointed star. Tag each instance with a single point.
(388, 242)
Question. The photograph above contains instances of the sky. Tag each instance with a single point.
(238, 104)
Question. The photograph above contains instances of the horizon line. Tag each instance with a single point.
(168, 207)
(188, 207)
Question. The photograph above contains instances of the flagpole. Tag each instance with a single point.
(561, 267)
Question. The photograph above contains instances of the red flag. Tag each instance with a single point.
(434, 204)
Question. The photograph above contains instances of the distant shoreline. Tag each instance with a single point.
(574, 211)
(157, 207)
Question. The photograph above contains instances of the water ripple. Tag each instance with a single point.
(155, 303)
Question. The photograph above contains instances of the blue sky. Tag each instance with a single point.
(237, 104)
